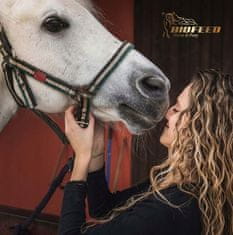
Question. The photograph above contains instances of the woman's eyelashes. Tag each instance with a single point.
(174, 109)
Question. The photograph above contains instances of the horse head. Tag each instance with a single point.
(65, 39)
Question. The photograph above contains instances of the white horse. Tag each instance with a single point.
(65, 39)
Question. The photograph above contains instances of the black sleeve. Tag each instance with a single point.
(154, 217)
(141, 219)
(101, 200)
(136, 221)
(73, 209)
(147, 217)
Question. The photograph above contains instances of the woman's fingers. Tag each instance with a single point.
(70, 118)
(81, 139)
(91, 120)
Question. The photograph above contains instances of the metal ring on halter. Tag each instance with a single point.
(83, 124)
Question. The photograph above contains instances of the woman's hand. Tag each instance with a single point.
(81, 139)
(82, 142)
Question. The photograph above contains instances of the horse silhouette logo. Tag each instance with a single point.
(172, 19)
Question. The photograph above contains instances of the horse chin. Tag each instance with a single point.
(106, 115)
(136, 129)
(137, 124)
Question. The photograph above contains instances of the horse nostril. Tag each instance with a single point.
(152, 86)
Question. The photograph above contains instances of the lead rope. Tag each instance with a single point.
(23, 229)
(17, 69)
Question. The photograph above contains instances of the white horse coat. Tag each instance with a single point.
(136, 93)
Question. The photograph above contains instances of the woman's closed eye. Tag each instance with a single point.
(175, 110)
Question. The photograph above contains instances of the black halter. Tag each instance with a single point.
(18, 70)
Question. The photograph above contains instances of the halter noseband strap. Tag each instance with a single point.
(18, 70)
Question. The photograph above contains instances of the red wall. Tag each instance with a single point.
(29, 150)
(119, 17)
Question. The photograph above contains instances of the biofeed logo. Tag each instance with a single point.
(176, 26)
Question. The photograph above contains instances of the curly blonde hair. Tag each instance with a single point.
(201, 155)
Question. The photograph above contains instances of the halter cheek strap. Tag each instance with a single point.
(18, 70)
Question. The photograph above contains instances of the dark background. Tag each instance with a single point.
(179, 58)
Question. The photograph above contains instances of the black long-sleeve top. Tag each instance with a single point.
(147, 217)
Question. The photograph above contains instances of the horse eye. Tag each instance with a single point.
(54, 24)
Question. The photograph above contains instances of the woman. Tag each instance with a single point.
(191, 193)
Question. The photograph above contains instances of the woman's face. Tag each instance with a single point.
(172, 116)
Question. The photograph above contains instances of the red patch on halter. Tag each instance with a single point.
(40, 76)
